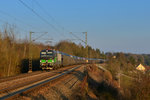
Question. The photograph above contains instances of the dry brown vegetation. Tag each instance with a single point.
(140, 88)
(102, 86)
(14, 54)
(98, 85)
(136, 88)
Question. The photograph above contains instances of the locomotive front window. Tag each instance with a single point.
(43, 56)
(47, 55)
(43, 53)
(50, 52)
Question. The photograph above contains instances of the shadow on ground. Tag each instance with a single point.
(63, 97)
(104, 90)
(25, 65)
(31, 97)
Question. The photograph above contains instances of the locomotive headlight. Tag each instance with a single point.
(43, 64)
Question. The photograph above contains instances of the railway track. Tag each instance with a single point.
(9, 90)
(19, 76)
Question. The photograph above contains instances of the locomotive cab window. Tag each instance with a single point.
(47, 54)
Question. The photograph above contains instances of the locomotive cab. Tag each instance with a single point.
(47, 59)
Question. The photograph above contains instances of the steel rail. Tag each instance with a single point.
(28, 82)
(34, 85)
(19, 76)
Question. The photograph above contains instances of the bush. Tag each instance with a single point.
(141, 88)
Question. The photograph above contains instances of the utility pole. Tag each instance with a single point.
(49, 44)
(119, 77)
(86, 45)
(82, 40)
(85, 38)
(30, 48)
(86, 42)
(30, 53)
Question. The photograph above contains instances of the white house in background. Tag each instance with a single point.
(140, 67)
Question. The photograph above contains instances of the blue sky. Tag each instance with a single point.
(112, 25)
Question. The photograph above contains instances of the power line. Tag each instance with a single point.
(44, 10)
(6, 14)
(16, 26)
(40, 36)
(77, 37)
(43, 19)
(55, 20)
(50, 16)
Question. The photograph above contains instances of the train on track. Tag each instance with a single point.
(51, 59)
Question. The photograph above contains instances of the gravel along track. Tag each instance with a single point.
(11, 84)
(19, 76)
(64, 88)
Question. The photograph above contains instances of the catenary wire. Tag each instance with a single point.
(43, 19)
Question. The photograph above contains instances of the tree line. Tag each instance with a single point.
(78, 50)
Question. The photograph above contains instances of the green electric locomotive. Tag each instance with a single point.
(50, 59)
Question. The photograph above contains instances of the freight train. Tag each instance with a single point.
(51, 59)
